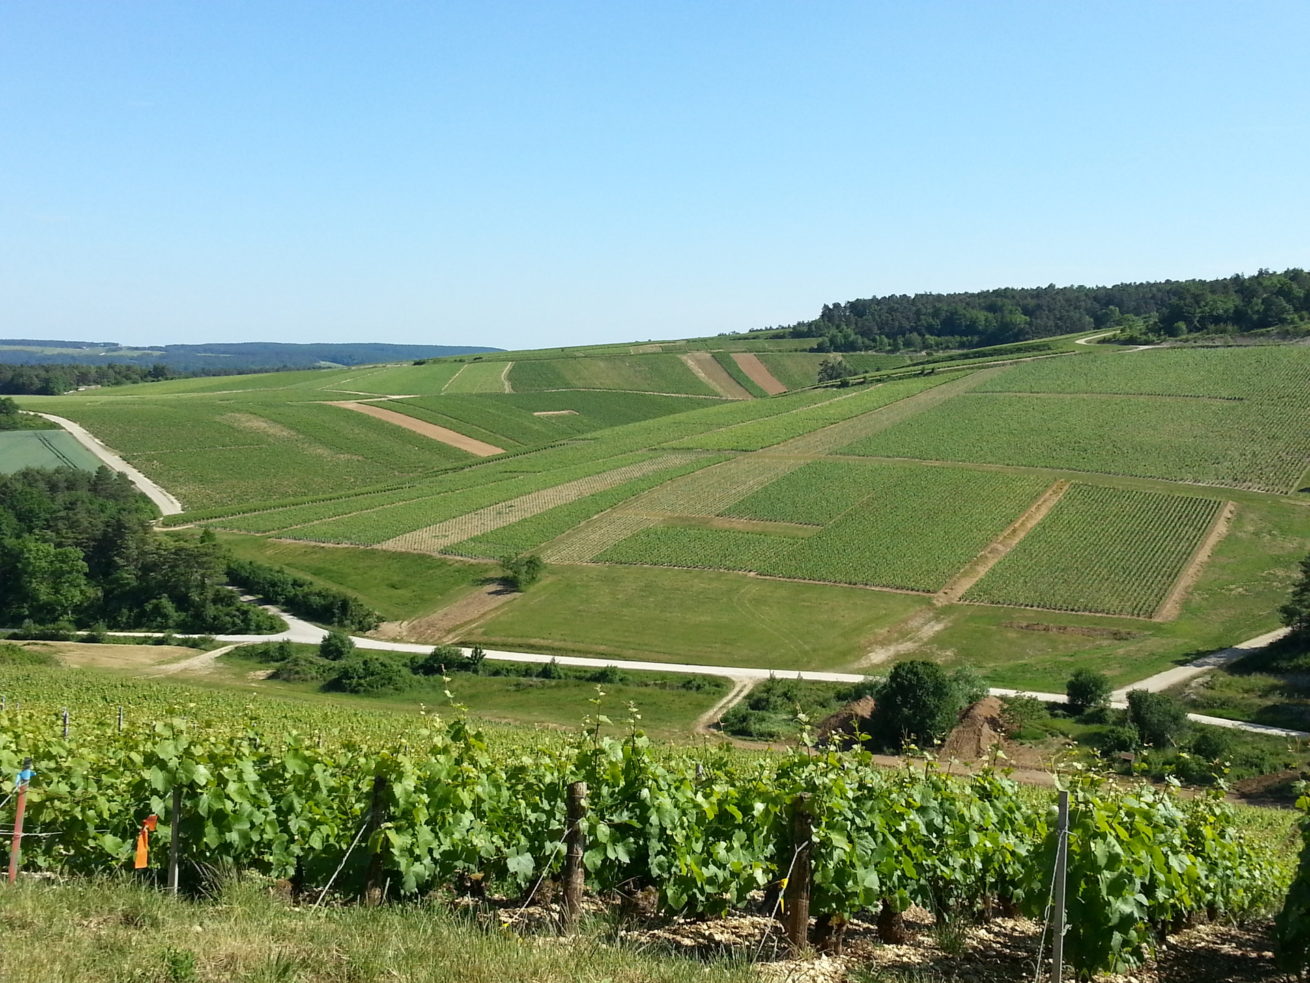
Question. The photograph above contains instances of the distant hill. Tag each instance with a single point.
(241, 357)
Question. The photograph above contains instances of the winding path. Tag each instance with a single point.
(166, 503)
(744, 677)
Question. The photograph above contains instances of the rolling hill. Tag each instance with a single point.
(1079, 505)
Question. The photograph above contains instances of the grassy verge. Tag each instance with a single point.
(1269, 687)
(665, 706)
(118, 930)
(700, 617)
(398, 585)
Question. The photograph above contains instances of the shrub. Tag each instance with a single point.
(336, 646)
(550, 670)
(16, 655)
(370, 673)
(304, 668)
(1086, 690)
(1211, 743)
(918, 704)
(442, 659)
(1019, 713)
(1158, 718)
(266, 651)
(1115, 740)
(521, 572)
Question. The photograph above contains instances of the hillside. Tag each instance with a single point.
(1095, 506)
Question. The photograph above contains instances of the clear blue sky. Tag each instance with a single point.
(549, 173)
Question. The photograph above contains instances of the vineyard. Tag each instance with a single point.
(1076, 559)
(1246, 444)
(1261, 373)
(880, 527)
(654, 373)
(332, 802)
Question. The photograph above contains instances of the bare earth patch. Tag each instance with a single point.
(1006, 541)
(450, 437)
(1173, 603)
(441, 626)
(758, 372)
(714, 375)
(88, 655)
(910, 634)
(554, 412)
(257, 424)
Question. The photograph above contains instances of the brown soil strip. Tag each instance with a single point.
(646, 349)
(758, 372)
(714, 375)
(451, 437)
(1173, 603)
(1084, 631)
(554, 412)
(1008, 540)
(504, 377)
(445, 625)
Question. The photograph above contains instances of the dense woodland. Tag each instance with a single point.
(76, 549)
(1142, 312)
(50, 379)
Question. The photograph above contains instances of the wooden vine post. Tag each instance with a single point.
(174, 838)
(575, 840)
(15, 846)
(796, 893)
(377, 815)
(1058, 903)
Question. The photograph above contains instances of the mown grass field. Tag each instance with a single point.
(661, 515)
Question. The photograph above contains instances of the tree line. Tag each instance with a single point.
(1266, 302)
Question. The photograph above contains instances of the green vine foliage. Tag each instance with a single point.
(1292, 926)
(706, 828)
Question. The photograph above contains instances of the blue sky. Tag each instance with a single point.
(533, 174)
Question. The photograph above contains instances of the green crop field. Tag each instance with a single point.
(1246, 444)
(1105, 550)
(1262, 373)
(43, 449)
(889, 534)
(654, 373)
(479, 377)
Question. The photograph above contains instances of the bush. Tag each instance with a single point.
(266, 651)
(1020, 713)
(303, 597)
(304, 668)
(918, 704)
(336, 646)
(438, 662)
(370, 673)
(1115, 740)
(16, 655)
(1211, 743)
(521, 572)
(1158, 718)
(1086, 690)
(550, 670)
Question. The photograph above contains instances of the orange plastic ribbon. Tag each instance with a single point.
(143, 840)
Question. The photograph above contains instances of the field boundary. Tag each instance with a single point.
(714, 375)
(996, 550)
(444, 435)
(1172, 604)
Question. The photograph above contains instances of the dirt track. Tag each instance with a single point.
(452, 438)
(758, 373)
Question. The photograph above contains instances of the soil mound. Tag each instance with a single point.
(979, 730)
(839, 729)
